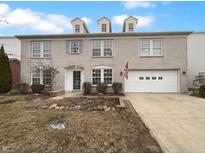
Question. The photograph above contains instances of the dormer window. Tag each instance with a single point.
(129, 24)
(77, 28)
(104, 28)
(131, 27)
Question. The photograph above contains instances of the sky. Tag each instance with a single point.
(23, 18)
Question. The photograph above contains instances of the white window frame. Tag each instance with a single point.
(130, 29)
(102, 47)
(77, 28)
(69, 46)
(41, 76)
(101, 68)
(41, 49)
(151, 48)
(104, 28)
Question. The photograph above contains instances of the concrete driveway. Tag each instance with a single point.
(177, 121)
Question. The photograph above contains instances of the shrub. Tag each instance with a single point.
(117, 87)
(202, 91)
(37, 88)
(22, 88)
(5, 71)
(87, 87)
(101, 88)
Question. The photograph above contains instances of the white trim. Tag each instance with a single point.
(102, 67)
(41, 48)
(101, 47)
(151, 47)
(68, 79)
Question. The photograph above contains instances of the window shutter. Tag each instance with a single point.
(81, 46)
(67, 47)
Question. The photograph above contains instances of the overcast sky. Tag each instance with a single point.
(55, 17)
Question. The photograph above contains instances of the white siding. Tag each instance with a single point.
(196, 55)
(12, 46)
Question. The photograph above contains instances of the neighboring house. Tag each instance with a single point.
(15, 70)
(196, 55)
(12, 46)
(157, 60)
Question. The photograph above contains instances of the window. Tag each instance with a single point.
(41, 76)
(46, 49)
(104, 28)
(151, 47)
(154, 78)
(47, 77)
(108, 76)
(130, 27)
(160, 78)
(147, 78)
(102, 75)
(102, 48)
(96, 76)
(141, 78)
(77, 28)
(73, 47)
(36, 49)
(41, 49)
(107, 48)
(96, 48)
(36, 76)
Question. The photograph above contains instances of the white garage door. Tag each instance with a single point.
(152, 81)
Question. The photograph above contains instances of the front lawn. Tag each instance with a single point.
(24, 129)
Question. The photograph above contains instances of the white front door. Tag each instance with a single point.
(73, 80)
(152, 81)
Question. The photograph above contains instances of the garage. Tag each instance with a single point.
(152, 81)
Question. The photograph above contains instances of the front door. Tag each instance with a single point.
(76, 80)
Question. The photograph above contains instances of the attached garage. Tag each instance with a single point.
(152, 81)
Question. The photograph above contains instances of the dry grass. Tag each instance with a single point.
(28, 130)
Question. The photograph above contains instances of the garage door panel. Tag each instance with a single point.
(152, 81)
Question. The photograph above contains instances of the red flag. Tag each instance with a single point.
(126, 71)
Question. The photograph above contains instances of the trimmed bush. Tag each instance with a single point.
(87, 87)
(37, 88)
(22, 88)
(117, 87)
(101, 88)
(5, 71)
(202, 91)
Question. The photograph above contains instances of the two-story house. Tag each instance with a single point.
(157, 60)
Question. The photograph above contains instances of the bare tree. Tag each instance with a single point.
(51, 70)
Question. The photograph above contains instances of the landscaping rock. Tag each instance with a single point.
(76, 107)
(44, 107)
(62, 107)
(113, 109)
(57, 107)
(105, 107)
(83, 107)
(108, 109)
(53, 106)
(100, 107)
(58, 125)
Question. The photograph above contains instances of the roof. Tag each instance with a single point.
(131, 34)
(131, 17)
(84, 24)
(104, 18)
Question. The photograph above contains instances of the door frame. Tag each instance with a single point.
(68, 84)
